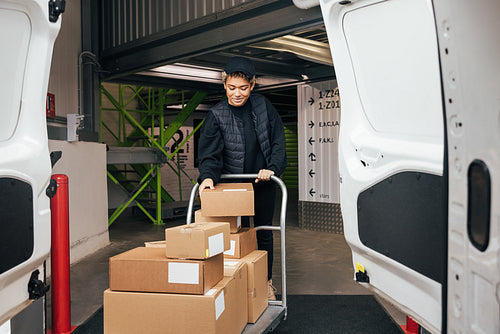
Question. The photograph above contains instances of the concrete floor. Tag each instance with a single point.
(317, 263)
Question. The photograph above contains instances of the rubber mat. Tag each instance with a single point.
(318, 314)
(339, 314)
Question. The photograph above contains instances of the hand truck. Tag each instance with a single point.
(276, 309)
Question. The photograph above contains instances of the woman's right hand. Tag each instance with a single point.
(207, 183)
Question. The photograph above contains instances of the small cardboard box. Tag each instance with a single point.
(228, 199)
(148, 269)
(197, 241)
(257, 283)
(218, 311)
(239, 272)
(157, 244)
(234, 222)
(242, 243)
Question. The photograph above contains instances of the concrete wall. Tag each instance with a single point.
(63, 80)
(85, 165)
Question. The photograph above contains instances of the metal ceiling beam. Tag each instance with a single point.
(304, 48)
(210, 34)
(262, 66)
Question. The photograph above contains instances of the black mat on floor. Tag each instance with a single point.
(93, 325)
(339, 314)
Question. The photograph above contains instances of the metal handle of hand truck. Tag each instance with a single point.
(281, 228)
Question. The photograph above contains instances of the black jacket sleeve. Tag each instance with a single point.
(277, 140)
(210, 146)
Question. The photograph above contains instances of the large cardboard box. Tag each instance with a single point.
(148, 269)
(242, 243)
(257, 281)
(197, 241)
(234, 222)
(218, 311)
(228, 199)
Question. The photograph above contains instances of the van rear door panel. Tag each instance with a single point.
(391, 148)
(27, 37)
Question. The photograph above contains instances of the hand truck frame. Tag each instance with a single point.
(277, 309)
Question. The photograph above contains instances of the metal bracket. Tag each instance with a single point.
(36, 288)
(54, 157)
(56, 8)
(51, 189)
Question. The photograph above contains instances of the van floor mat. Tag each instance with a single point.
(337, 314)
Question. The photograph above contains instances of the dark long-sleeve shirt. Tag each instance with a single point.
(211, 144)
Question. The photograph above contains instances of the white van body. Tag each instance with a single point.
(419, 150)
(27, 37)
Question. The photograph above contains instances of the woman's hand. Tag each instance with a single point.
(264, 175)
(207, 183)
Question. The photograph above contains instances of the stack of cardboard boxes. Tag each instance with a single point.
(215, 206)
(184, 284)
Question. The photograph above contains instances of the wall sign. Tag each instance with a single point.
(185, 158)
(318, 123)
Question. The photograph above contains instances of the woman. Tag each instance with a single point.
(244, 134)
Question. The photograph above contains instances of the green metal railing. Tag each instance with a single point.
(152, 102)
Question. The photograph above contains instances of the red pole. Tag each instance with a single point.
(59, 206)
(412, 326)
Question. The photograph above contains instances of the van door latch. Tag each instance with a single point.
(56, 8)
(36, 288)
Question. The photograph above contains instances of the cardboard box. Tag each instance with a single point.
(257, 281)
(234, 222)
(242, 243)
(220, 310)
(157, 244)
(228, 199)
(148, 269)
(197, 241)
(239, 271)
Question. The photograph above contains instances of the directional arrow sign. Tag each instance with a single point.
(311, 124)
(312, 156)
(311, 173)
(311, 101)
(312, 192)
(311, 140)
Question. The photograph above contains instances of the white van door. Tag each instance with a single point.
(27, 37)
(469, 43)
(391, 148)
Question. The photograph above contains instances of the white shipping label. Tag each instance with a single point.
(210, 292)
(234, 190)
(183, 273)
(219, 305)
(215, 244)
(238, 221)
(230, 251)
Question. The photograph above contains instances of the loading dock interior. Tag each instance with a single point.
(289, 48)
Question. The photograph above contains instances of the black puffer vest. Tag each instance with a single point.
(232, 132)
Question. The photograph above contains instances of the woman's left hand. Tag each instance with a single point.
(264, 175)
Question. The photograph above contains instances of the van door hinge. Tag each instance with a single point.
(36, 288)
(56, 8)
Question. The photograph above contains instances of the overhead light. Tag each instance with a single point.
(185, 72)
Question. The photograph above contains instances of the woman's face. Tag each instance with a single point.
(237, 90)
